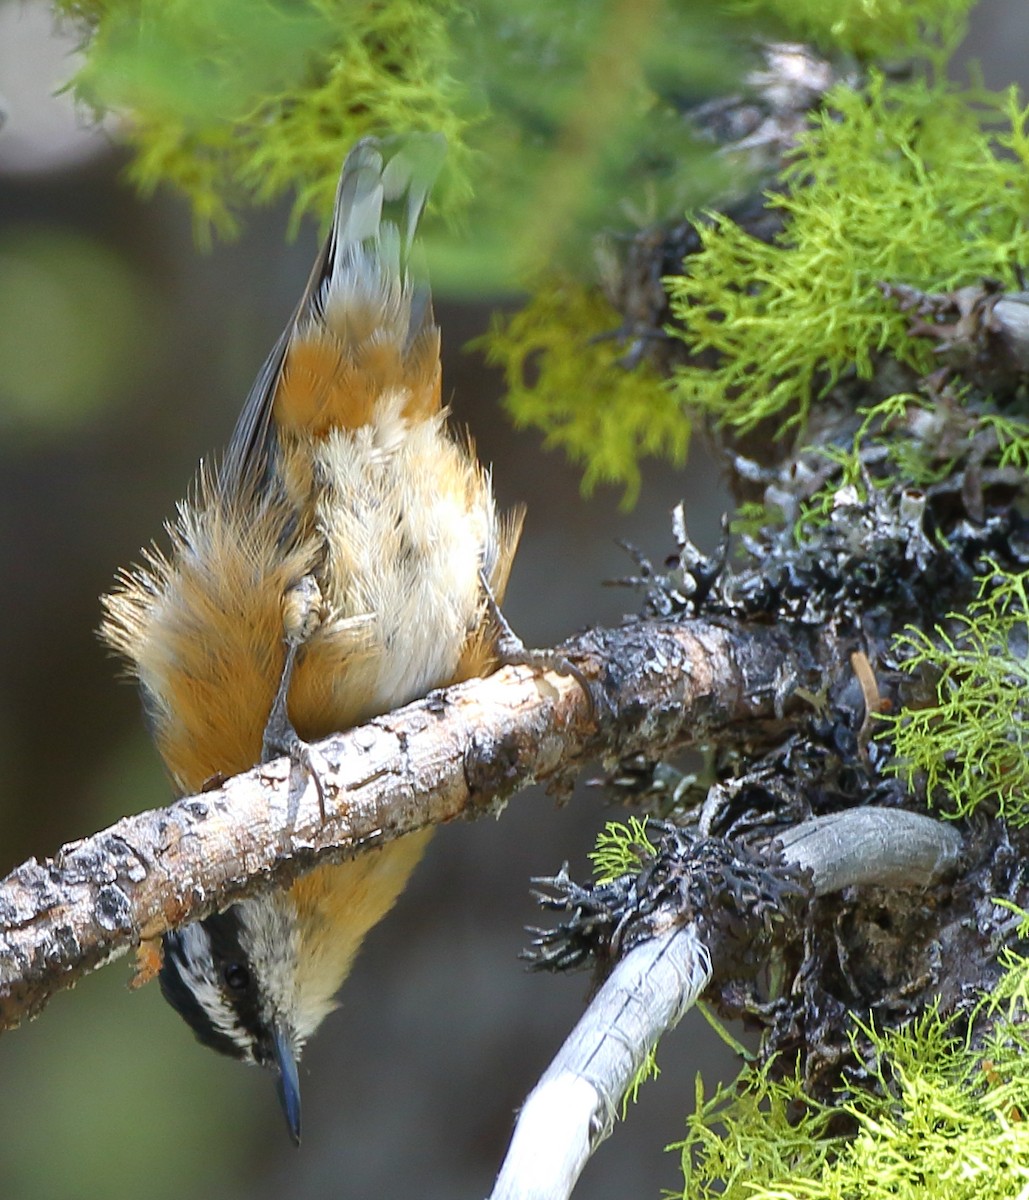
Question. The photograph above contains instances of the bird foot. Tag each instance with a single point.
(513, 652)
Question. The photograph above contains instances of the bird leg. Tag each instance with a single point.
(301, 617)
(513, 652)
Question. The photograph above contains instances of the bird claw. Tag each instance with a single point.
(301, 756)
(513, 652)
(281, 739)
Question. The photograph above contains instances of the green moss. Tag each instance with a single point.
(648, 1070)
(233, 101)
(939, 1118)
(971, 745)
(572, 386)
(913, 182)
(621, 849)
(868, 28)
(758, 1130)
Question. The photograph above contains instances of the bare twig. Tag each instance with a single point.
(460, 752)
(571, 1110)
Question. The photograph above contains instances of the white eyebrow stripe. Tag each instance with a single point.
(196, 964)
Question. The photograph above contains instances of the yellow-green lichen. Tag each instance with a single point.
(867, 28)
(621, 849)
(755, 1131)
(971, 745)
(568, 382)
(914, 182)
(648, 1070)
(939, 1117)
(233, 101)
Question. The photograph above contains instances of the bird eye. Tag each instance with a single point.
(237, 977)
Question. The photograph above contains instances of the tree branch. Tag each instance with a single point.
(572, 1108)
(458, 752)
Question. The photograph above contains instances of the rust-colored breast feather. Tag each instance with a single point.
(327, 384)
(201, 628)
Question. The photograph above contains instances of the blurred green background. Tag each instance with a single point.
(124, 354)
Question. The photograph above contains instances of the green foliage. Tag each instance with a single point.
(868, 28)
(913, 181)
(906, 441)
(236, 101)
(758, 1130)
(600, 413)
(621, 849)
(942, 1118)
(648, 1070)
(232, 100)
(972, 744)
(582, 125)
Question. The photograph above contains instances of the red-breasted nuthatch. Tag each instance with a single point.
(336, 565)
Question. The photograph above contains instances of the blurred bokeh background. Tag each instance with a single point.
(124, 355)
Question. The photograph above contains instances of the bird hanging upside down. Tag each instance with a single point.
(341, 561)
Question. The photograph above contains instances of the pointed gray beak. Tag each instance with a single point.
(288, 1083)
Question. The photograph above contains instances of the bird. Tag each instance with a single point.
(343, 558)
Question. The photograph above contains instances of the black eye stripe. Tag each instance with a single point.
(225, 955)
(178, 990)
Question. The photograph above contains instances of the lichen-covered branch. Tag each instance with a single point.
(459, 752)
(572, 1108)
